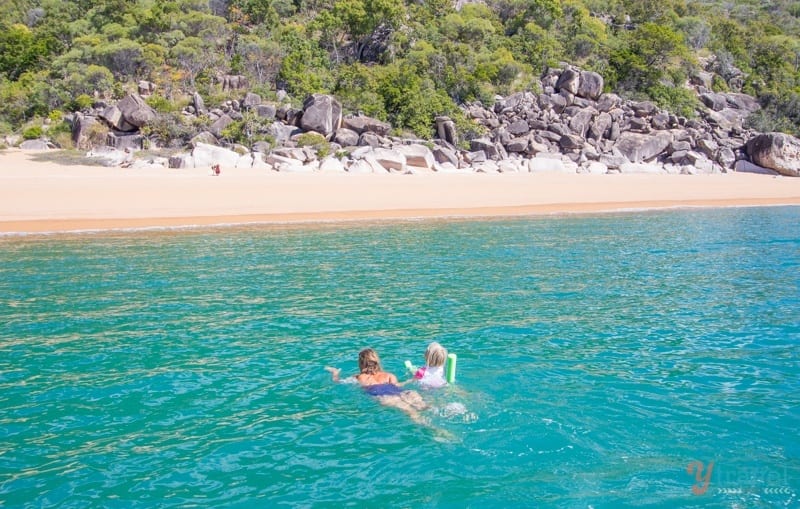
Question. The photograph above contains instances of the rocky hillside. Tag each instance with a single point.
(571, 126)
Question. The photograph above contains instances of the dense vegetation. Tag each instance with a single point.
(403, 62)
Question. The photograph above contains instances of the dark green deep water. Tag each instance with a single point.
(598, 357)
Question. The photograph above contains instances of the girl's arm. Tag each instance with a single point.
(334, 373)
(335, 376)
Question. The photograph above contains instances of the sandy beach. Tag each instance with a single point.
(37, 196)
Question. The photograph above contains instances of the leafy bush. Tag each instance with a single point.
(60, 133)
(32, 133)
(161, 104)
(777, 113)
(82, 102)
(169, 130)
(678, 100)
(315, 141)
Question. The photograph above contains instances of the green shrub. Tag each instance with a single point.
(169, 130)
(678, 100)
(315, 141)
(56, 116)
(719, 85)
(82, 102)
(32, 133)
(310, 139)
(161, 104)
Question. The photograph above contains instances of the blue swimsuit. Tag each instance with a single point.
(383, 390)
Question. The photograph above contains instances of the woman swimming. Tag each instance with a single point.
(383, 385)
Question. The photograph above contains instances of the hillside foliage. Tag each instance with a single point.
(402, 62)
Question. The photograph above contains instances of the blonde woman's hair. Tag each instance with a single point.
(435, 355)
(369, 362)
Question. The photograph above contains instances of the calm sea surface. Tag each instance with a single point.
(616, 360)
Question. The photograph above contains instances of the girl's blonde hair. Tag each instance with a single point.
(369, 362)
(435, 355)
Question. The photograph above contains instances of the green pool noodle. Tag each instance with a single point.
(410, 367)
(450, 375)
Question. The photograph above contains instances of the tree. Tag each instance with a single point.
(191, 55)
(259, 57)
(515, 14)
(358, 89)
(305, 68)
(125, 58)
(361, 18)
(412, 101)
(20, 51)
(645, 56)
(254, 12)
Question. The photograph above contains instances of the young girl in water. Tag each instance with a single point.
(383, 385)
(431, 375)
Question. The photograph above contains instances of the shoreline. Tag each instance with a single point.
(47, 197)
(99, 225)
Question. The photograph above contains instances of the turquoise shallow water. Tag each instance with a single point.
(598, 357)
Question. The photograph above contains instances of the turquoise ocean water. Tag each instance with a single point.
(617, 360)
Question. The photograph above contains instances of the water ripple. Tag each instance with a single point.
(598, 356)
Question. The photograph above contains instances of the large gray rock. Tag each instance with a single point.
(643, 147)
(321, 113)
(417, 155)
(776, 151)
(136, 111)
(545, 164)
(743, 166)
(267, 111)
(113, 117)
(81, 129)
(362, 124)
(251, 100)
(643, 108)
(199, 104)
(359, 166)
(590, 85)
(608, 102)
(444, 155)
(600, 127)
(570, 142)
(123, 141)
(726, 157)
(493, 151)
(742, 102)
(391, 160)
(203, 137)
(446, 129)
(369, 139)
(519, 128)
(641, 168)
(579, 123)
(282, 132)
(716, 102)
(206, 155)
(346, 137)
(331, 165)
(34, 145)
(568, 81)
(219, 125)
(518, 145)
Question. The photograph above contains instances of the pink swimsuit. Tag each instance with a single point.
(431, 378)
